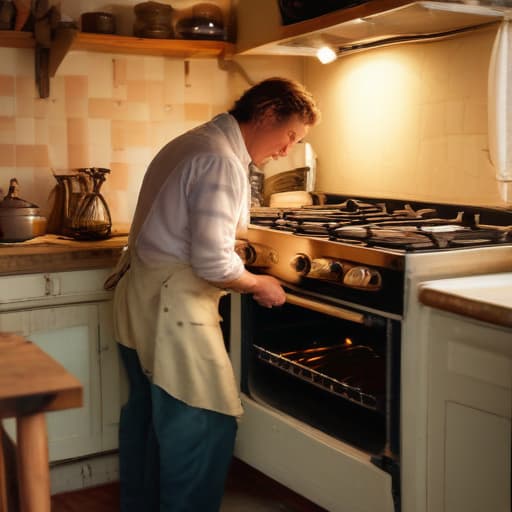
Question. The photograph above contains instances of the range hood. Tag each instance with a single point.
(365, 25)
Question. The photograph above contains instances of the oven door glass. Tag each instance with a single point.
(338, 376)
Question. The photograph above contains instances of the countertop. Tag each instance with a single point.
(52, 253)
(484, 297)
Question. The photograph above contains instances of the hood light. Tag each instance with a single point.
(325, 55)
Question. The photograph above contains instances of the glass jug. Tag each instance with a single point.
(91, 219)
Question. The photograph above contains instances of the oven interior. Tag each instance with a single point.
(335, 375)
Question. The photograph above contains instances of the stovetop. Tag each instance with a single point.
(392, 224)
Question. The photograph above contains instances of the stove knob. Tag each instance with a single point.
(256, 255)
(326, 268)
(301, 264)
(363, 277)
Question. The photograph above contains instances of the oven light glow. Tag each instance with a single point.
(325, 55)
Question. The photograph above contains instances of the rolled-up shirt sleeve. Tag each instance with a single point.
(216, 189)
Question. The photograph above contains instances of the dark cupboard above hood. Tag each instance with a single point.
(376, 22)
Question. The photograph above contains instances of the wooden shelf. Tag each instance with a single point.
(181, 48)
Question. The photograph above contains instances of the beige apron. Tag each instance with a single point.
(170, 316)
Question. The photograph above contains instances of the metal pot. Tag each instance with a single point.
(19, 219)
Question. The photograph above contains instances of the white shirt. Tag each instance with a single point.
(194, 197)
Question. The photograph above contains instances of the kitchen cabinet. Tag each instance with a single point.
(68, 315)
(469, 413)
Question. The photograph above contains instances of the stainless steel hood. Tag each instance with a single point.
(366, 25)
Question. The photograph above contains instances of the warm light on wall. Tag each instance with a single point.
(326, 54)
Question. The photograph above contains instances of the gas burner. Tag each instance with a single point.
(404, 227)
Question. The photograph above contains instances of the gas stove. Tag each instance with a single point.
(357, 249)
(386, 224)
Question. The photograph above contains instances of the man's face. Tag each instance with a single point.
(273, 138)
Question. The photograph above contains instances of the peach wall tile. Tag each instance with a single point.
(100, 155)
(56, 108)
(136, 90)
(101, 108)
(78, 156)
(77, 107)
(100, 73)
(454, 123)
(119, 71)
(76, 86)
(154, 68)
(24, 107)
(197, 112)
(135, 69)
(475, 118)
(6, 85)
(131, 111)
(74, 63)
(25, 62)
(174, 81)
(99, 132)
(163, 132)
(57, 132)
(155, 99)
(7, 106)
(77, 132)
(26, 88)
(7, 130)
(8, 59)
(58, 156)
(35, 155)
(7, 155)
(120, 93)
(129, 134)
(41, 108)
(119, 176)
(58, 87)
(25, 130)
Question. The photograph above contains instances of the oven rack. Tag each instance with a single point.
(318, 379)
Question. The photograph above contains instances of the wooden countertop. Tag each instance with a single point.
(31, 381)
(50, 253)
(485, 297)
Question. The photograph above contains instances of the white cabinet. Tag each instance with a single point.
(469, 414)
(69, 316)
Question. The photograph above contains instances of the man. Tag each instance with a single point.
(177, 429)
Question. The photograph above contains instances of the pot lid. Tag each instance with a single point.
(12, 199)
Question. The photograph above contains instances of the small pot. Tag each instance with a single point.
(19, 219)
(98, 22)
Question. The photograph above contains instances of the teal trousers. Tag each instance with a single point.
(172, 457)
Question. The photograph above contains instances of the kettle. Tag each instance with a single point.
(19, 219)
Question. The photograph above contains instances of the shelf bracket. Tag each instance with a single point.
(53, 40)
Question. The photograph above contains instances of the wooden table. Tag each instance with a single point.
(32, 383)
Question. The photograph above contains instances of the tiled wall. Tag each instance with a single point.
(407, 121)
(112, 111)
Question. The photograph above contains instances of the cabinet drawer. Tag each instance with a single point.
(30, 290)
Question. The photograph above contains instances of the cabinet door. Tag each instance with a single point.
(70, 334)
(469, 415)
(114, 384)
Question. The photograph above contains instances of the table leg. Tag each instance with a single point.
(33, 469)
(3, 476)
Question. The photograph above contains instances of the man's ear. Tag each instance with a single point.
(268, 117)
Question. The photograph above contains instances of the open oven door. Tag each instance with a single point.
(337, 475)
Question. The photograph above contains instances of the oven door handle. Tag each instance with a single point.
(320, 307)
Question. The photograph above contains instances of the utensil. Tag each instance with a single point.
(19, 219)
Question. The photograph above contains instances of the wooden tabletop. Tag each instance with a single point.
(31, 381)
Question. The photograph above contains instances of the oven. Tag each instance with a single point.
(333, 382)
